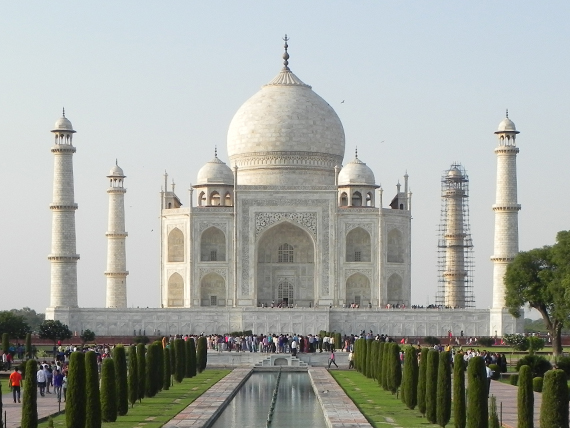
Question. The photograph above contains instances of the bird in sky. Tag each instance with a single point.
(342, 102)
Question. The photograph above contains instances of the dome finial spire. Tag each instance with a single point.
(64, 112)
(356, 152)
(286, 55)
(507, 113)
(216, 151)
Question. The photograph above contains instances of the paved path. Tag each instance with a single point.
(507, 395)
(47, 406)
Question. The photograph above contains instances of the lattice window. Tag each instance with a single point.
(213, 300)
(213, 255)
(357, 256)
(285, 292)
(285, 254)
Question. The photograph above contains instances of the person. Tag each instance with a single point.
(351, 360)
(57, 384)
(332, 360)
(49, 376)
(15, 381)
(41, 378)
(489, 377)
(64, 386)
(294, 348)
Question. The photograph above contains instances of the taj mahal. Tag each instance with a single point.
(289, 235)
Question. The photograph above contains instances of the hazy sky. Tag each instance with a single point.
(155, 84)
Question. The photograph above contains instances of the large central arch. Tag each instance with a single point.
(285, 266)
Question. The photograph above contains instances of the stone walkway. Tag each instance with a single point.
(47, 406)
(507, 395)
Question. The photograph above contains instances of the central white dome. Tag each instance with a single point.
(286, 134)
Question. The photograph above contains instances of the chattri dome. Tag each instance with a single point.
(507, 125)
(116, 171)
(63, 124)
(215, 172)
(356, 172)
(286, 134)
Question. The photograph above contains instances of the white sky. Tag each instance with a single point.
(155, 84)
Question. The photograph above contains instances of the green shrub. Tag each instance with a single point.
(459, 415)
(133, 375)
(410, 378)
(538, 365)
(159, 365)
(395, 368)
(537, 384)
(167, 373)
(108, 391)
(517, 341)
(554, 407)
(179, 350)
(374, 360)
(422, 381)
(477, 411)
(368, 358)
(75, 407)
(30, 398)
(486, 341)
(443, 402)
(28, 346)
(496, 371)
(141, 368)
(120, 359)
(379, 363)
(432, 340)
(150, 382)
(535, 344)
(525, 399)
(493, 416)
(92, 397)
(563, 363)
(141, 339)
(385, 366)
(201, 354)
(191, 357)
(514, 379)
(431, 386)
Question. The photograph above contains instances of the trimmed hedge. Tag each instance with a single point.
(191, 356)
(431, 386)
(443, 411)
(30, 398)
(422, 381)
(120, 359)
(554, 407)
(537, 384)
(538, 365)
(141, 368)
(75, 408)
(379, 363)
(385, 366)
(514, 378)
(496, 371)
(159, 368)
(525, 399)
(133, 379)
(167, 374)
(459, 405)
(151, 366)
(179, 351)
(108, 391)
(410, 382)
(93, 395)
(201, 354)
(477, 411)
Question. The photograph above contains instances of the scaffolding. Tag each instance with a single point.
(455, 246)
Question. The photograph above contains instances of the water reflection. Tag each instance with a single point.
(296, 406)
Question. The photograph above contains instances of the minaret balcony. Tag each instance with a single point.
(507, 208)
(63, 257)
(63, 207)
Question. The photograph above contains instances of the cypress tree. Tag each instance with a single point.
(202, 354)
(120, 359)
(443, 412)
(75, 407)
(188, 355)
(525, 398)
(374, 359)
(159, 365)
(422, 380)
(385, 365)
(368, 358)
(167, 374)
(396, 368)
(172, 358)
(92, 397)
(410, 388)
(554, 407)
(192, 357)
(150, 383)
(477, 411)
(141, 368)
(431, 385)
(30, 398)
(459, 417)
(179, 349)
(1, 422)
(493, 416)
(355, 349)
(133, 378)
(379, 363)
(108, 391)
(28, 345)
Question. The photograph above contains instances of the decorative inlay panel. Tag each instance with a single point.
(366, 272)
(366, 226)
(306, 219)
(220, 271)
(206, 225)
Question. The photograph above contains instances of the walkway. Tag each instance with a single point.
(47, 406)
(507, 395)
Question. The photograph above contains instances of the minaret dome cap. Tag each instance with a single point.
(507, 125)
(116, 171)
(62, 124)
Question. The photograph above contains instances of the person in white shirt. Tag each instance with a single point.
(41, 378)
(489, 377)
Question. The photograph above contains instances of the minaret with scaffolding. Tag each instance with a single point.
(455, 246)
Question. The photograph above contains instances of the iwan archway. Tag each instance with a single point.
(285, 268)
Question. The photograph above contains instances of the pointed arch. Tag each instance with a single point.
(357, 199)
(395, 292)
(343, 199)
(358, 290)
(213, 290)
(228, 199)
(215, 199)
(358, 246)
(213, 245)
(175, 291)
(175, 245)
(202, 199)
(395, 246)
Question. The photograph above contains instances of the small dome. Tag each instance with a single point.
(454, 172)
(63, 124)
(356, 173)
(507, 125)
(215, 172)
(116, 171)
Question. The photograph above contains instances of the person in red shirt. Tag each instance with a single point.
(15, 381)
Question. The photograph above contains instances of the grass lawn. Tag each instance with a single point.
(380, 407)
(155, 412)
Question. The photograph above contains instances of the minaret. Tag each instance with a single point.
(63, 257)
(506, 208)
(116, 272)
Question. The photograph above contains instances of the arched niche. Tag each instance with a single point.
(176, 245)
(358, 246)
(285, 255)
(202, 199)
(395, 292)
(358, 289)
(213, 245)
(395, 247)
(213, 290)
(356, 199)
(175, 291)
(215, 199)
(343, 199)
